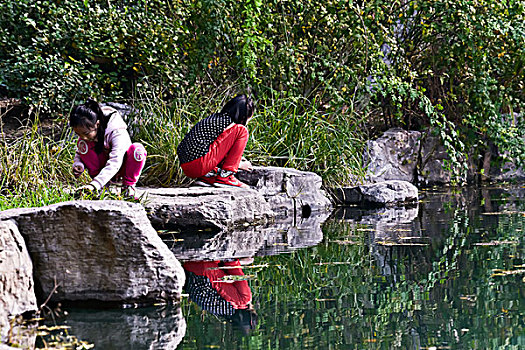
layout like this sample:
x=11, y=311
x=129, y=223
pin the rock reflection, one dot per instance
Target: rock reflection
x=221, y=288
x=150, y=328
x=282, y=237
x=391, y=224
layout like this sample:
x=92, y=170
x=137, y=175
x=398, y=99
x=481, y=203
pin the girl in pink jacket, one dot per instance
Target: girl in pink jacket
x=104, y=148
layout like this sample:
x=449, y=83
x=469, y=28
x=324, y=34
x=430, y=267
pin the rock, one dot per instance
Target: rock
x=289, y=192
x=144, y=328
x=393, y=156
x=275, y=192
x=133, y=117
x=124, y=109
x=17, y=294
x=508, y=171
x=432, y=169
x=205, y=207
x=422, y=159
x=387, y=193
x=106, y=251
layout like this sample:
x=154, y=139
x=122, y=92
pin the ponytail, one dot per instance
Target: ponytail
x=87, y=115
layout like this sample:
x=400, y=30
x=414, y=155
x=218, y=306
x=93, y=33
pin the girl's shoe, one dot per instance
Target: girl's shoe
x=206, y=181
x=229, y=181
x=129, y=192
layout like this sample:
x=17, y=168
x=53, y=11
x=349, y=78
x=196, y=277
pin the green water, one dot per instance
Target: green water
x=449, y=274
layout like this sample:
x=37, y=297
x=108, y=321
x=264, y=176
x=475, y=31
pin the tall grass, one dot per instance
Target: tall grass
x=289, y=132
x=34, y=169
x=297, y=133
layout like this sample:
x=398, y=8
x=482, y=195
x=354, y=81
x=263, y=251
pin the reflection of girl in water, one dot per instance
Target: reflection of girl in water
x=229, y=299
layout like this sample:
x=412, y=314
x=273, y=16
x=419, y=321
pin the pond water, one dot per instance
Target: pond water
x=447, y=274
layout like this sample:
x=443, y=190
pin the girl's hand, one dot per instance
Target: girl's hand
x=78, y=170
x=86, y=189
x=245, y=165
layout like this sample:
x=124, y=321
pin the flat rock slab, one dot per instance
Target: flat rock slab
x=382, y=194
x=274, y=193
x=105, y=251
x=205, y=207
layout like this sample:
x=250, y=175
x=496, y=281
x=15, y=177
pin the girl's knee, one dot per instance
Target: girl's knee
x=242, y=129
x=137, y=152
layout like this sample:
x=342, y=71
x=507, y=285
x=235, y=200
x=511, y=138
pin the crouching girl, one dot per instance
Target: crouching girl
x=104, y=148
x=211, y=151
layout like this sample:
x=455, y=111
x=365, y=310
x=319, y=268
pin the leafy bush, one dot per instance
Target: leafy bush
x=453, y=65
x=55, y=52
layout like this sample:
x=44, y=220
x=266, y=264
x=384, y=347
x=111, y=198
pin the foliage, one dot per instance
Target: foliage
x=53, y=53
x=412, y=64
x=466, y=59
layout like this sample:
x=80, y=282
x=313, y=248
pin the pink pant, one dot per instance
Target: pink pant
x=225, y=152
x=129, y=172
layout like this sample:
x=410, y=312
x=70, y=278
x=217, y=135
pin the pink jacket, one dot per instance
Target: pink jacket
x=116, y=142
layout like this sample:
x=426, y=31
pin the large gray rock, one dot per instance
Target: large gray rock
x=289, y=192
x=206, y=207
x=393, y=156
x=422, y=159
x=97, y=250
x=386, y=193
x=508, y=171
x=275, y=192
x=432, y=168
x=17, y=294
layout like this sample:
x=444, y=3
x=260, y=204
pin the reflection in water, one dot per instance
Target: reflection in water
x=450, y=278
x=281, y=237
x=151, y=328
x=220, y=288
x=447, y=275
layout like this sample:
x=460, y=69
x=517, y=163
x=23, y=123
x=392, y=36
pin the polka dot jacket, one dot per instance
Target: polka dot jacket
x=201, y=291
x=197, y=141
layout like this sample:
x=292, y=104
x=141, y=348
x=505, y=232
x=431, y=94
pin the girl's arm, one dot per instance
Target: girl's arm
x=119, y=143
x=78, y=166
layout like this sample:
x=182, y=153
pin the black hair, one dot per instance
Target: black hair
x=244, y=319
x=240, y=109
x=87, y=115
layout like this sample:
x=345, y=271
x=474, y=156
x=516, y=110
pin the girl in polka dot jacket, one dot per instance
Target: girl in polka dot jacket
x=104, y=148
x=211, y=151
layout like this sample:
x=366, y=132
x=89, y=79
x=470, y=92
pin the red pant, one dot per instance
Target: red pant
x=237, y=293
x=225, y=152
x=129, y=172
